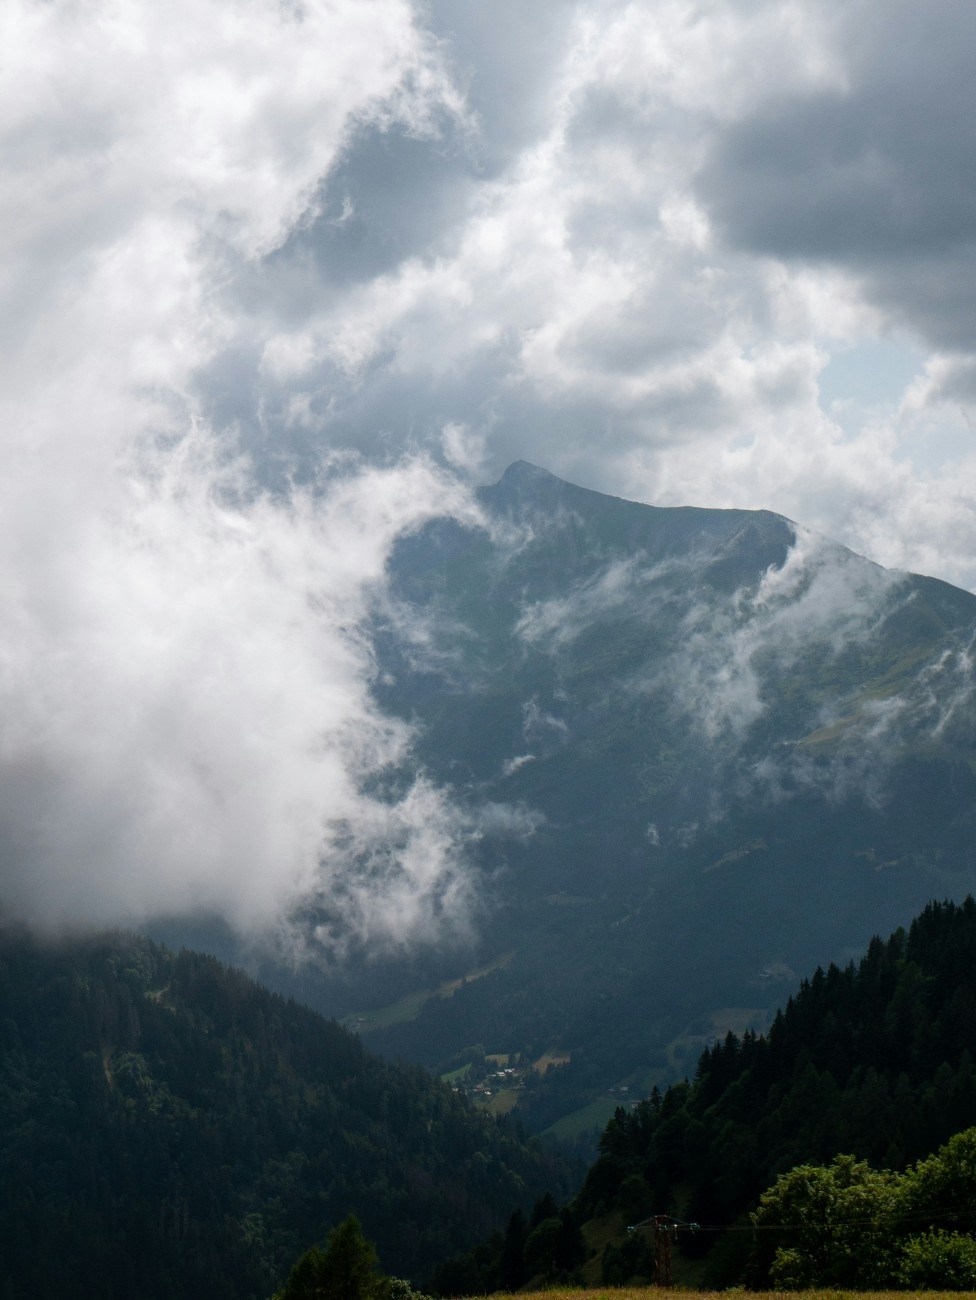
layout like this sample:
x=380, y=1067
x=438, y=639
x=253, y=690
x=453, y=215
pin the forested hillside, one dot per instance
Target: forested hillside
x=170, y=1129
x=875, y=1061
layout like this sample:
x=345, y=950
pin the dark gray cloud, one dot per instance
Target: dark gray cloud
x=876, y=176
x=397, y=192
x=393, y=195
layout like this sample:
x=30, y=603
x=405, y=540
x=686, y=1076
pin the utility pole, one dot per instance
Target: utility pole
x=663, y=1228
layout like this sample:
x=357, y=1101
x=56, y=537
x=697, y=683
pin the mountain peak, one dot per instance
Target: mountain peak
x=743, y=542
x=524, y=485
x=523, y=471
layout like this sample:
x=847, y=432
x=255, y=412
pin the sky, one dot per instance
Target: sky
x=283, y=280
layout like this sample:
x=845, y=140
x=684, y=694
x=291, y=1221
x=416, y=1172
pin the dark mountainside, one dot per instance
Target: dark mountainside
x=737, y=751
x=699, y=751
x=168, y=1129
x=876, y=1060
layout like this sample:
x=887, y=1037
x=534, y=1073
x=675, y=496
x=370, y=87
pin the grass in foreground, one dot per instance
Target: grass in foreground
x=678, y=1293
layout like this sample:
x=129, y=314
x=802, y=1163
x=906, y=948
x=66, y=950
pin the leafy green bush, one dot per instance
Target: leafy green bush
x=399, y=1289
x=939, y=1260
x=825, y=1226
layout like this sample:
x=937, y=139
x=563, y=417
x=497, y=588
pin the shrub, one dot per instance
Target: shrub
x=938, y=1261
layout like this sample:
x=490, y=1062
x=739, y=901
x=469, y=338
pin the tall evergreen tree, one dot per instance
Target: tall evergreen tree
x=347, y=1269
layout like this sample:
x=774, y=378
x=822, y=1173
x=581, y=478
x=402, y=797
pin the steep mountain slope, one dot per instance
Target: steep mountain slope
x=721, y=749
x=170, y=1129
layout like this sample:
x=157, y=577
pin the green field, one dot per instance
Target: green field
x=454, y=1076
x=501, y=1102
x=594, y=1115
x=408, y=1007
x=405, y=1008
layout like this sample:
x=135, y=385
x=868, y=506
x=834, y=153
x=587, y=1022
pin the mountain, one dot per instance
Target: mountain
x=692, y=753
x=170, y=1129
x=723, y=750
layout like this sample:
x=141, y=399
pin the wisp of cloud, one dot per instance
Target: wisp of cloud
x=185, y=714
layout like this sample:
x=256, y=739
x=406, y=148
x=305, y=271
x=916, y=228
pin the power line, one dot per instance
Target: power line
x=674, y=1226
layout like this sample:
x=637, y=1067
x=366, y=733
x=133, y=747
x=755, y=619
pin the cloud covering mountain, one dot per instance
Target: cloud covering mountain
x=281, y=281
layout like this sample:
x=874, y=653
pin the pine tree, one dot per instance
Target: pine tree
x=345, y=1270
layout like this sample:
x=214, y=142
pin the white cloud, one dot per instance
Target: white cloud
x=186, y=716
x=186, y=719
x=311, y=230
x=464, y=448
x=732, y=652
